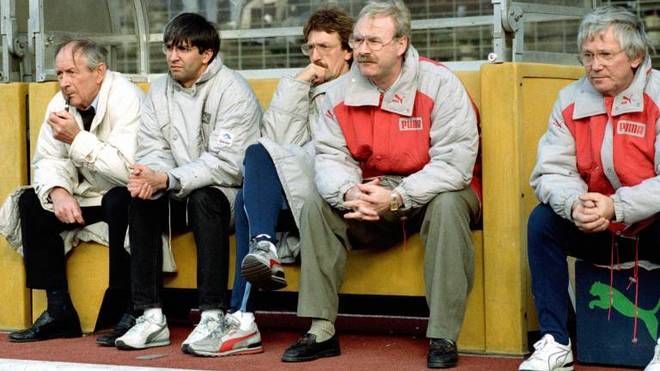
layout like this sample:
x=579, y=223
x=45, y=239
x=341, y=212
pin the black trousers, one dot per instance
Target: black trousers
x=206, y=211
x=43, y=248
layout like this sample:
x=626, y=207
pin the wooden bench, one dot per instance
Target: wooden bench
x=514, y=100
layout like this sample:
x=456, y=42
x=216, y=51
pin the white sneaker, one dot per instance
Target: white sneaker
x=654, y=365
x=549, y=356
x=202, y=330
x=237, y=335
x=146, y=333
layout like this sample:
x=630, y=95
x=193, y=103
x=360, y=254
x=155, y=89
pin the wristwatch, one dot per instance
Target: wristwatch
x=394, y=201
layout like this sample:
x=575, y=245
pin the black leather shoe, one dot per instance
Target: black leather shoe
x=125, y=323
x=442, y=354
x=307, y=349
x=65, y=325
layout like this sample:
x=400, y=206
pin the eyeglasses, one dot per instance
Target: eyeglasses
x=180, y=49
x=373, y=43
x=308, y=49
x=604, y=57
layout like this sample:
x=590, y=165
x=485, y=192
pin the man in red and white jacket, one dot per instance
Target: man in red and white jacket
x=395, y=151
x=596, y=173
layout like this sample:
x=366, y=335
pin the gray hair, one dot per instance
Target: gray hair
x=627, y=27
x=393, y=8
x=93, y=52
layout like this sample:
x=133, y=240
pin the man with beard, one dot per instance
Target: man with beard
x=395, y=152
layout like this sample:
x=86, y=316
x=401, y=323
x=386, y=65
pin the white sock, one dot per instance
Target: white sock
x=246, y=319
x=215, y=314
x=155, y=313
x=323, y=329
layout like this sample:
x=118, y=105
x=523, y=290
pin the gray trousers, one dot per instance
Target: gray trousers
x=444, y=226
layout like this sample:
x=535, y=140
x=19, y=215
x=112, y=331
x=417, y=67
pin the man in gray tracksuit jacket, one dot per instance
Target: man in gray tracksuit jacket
x=197, y=122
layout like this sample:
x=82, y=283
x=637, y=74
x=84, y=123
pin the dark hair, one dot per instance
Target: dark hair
x=331, y=19
x=193, y=30
x=93, y=52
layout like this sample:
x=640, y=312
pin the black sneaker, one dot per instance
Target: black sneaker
x=442, y=354
x=125, y=323
x=307, y=349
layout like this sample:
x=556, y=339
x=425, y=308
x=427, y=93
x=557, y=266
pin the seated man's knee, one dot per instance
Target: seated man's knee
x=117, y=197
x=541, y=218
x=256, y=153
x=28, y=200
x=449, y=203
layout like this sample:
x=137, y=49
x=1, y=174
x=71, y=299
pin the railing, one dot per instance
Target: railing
x=124, y=27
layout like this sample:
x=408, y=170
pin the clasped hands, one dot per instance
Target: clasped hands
x=367, y=201
x=143, y=182
x=592, y=212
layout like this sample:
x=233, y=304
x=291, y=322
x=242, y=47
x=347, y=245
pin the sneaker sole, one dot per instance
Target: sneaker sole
x=567, y=368
x=327, y=353
x=260, y=275
x=123, y=346
x=234, y=352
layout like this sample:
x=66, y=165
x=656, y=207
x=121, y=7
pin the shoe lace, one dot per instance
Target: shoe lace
x=140, y=324
x=205, y=326
x=226, y=324
x=540, y=348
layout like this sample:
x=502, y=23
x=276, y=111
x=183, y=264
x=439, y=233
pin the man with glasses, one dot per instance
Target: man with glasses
x=395, y=151
x=196, y=124
x=84, y=148
x=278, y=175
x=597, y=174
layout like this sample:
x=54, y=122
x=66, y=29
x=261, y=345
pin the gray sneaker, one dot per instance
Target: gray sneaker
x=205, y=326
x=262, y=268
x=237, y=335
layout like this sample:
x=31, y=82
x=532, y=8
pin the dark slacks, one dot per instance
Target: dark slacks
x=43, y=248
x=206, y=212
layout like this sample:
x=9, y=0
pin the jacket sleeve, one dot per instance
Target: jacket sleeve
x=236, y=127
x=153, y=150
x=51, y=164
x=555, y=178
x=636, y=203
x=286, y=120
x=454, y=142
x=112, y=157
x=335, y=169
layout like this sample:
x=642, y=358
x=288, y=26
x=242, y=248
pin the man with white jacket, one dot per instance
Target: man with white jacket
x=597, y=174
x=196, y=124
x=81, y=167
x=396, y=145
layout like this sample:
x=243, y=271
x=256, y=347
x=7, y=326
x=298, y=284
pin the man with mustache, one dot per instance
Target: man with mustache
x=395, y=151
x=597, y=174
x=278, y=176
x=196, y=124
x=80, y=165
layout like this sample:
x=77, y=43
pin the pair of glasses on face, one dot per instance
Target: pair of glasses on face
x=373, y=43
x=603, y=57
x=308, y=49
x=180, y=49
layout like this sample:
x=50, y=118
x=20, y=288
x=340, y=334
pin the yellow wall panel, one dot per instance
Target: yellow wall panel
x=15, y=313
x=516, y=99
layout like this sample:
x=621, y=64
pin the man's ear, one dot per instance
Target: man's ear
x=402, y=45
x=207, y=55
x=635, y=62
x=100, y=72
